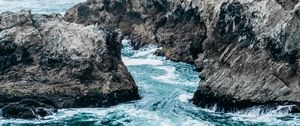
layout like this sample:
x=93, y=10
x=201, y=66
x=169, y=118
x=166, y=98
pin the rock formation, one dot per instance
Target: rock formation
x=47, y=63
x=251, y=55
x=246, y=50
x=175, y=26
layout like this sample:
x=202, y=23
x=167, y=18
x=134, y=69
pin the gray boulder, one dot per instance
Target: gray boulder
x=69, y=65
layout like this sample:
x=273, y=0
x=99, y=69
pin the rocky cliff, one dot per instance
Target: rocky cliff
x=47, y=63
x=246, y=50
x=251, y=55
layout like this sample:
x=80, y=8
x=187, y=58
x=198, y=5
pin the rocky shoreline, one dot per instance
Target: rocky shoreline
x=47, y=64
x=175, y=27
x=247, y=51
x=256, y=61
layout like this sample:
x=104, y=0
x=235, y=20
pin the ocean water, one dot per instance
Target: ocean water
x=38, y=6
x=166, y=88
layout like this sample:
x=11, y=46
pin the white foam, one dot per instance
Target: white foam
x=171, y=77
x=258, y=111
x=210, y=109
x=192, y=122
x=161, y=120
x=170, y=73
x=153, y=117
x=126, y=41
x=146, y=51
x=134, y=62
x=185, y=97
x=271, y=116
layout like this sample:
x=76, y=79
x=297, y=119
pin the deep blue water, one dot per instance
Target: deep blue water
x=165, y=87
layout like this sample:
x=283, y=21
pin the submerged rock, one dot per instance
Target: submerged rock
x=56, y=64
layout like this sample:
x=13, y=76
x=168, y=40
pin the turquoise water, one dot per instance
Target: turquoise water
x=38, y=6
x=165, y=86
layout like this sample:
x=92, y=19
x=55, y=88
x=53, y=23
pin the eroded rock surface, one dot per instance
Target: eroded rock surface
x=176, y=26
x=55, y=64
x=251, y=55
x=246, y=50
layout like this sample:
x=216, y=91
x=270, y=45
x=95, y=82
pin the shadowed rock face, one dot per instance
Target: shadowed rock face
x=246, y=50
x=35, y=107
x=56, y=64
x=175, y=26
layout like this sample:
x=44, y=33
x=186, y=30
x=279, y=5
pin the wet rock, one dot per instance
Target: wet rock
x=295, y=109
x=251, y=58
x=27, y=109
x=57, y=64
x=246, y=50
x=175, y=26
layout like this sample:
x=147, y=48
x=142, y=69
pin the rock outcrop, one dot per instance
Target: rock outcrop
x=47, y=63
x=246, y=50
x=251, y=55
x=176, y=26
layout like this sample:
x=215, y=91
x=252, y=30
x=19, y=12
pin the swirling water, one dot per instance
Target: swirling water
x=165, y=87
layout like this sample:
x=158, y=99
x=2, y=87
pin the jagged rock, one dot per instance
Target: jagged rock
x=251, y=55
x=69, y=65
x=175, y=26
x=247, y=50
